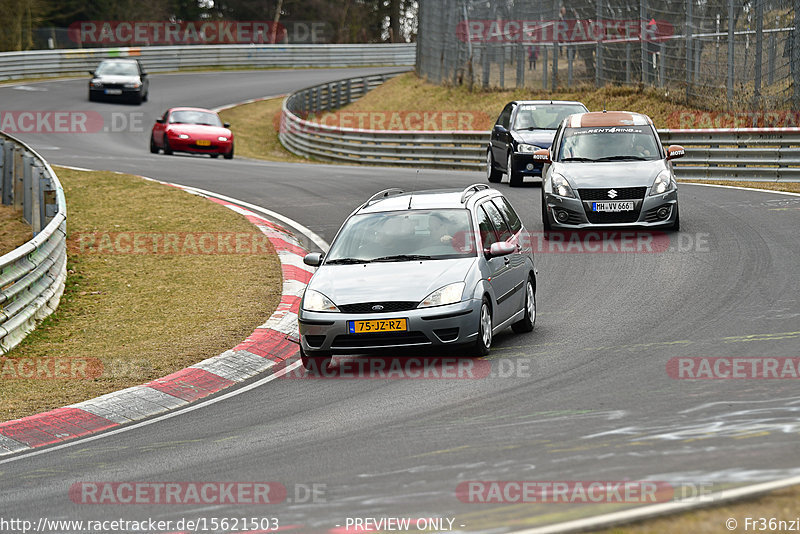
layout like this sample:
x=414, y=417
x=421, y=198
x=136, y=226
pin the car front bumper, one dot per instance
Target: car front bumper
x=453, y=324
x=190, y=145
x=524, y=164
x=579, y=215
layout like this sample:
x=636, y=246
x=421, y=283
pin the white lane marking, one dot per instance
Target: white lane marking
x=77, y=168
x=319, y=241
x=28, y=88
x=645, y=512
x=193, y=407
x=744, y=188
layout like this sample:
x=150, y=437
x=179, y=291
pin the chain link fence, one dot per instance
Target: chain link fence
x=702, y=52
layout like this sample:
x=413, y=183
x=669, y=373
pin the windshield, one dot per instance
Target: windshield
x=543, y=116
x=611, y=143
x=404, y=235
x=117, y=68
x=195, y=117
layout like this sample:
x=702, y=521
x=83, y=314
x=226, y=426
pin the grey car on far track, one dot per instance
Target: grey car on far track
x=420, y=269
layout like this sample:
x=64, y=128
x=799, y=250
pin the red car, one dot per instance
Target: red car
x=195, y=130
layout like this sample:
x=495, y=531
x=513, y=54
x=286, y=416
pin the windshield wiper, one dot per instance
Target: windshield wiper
x=346, y=261
x=578, y=159
x=404, y=257
x=622, y=158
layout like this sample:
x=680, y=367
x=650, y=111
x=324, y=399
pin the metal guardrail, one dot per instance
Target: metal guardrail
x=168, y=58
x=32, y=276
x=754, y=154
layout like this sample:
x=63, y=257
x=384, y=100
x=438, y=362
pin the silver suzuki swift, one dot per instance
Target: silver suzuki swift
x=426, y=268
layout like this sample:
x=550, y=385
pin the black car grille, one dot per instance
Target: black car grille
x=611, y=218
x=112, y=86
x=380, y=339
x=366, y=307
x=623, y=193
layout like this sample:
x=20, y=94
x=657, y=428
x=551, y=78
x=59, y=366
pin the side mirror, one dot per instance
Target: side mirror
x=502, y=248
x=499, y=128
x=91, y=72
x=226, y=125
x=314, y=259
x=160, y=120
x=143, y=74
x=675, y=152
x=542, y=155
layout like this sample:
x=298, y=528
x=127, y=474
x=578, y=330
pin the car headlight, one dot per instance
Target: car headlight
x=527, y=149
x=222, y=138
x=183, y=136
x=663, y=183
x=317, y=302
x=132, y=85
x=561, y=187
x=449, y=294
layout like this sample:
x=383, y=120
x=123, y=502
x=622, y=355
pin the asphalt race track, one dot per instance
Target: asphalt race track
x=589, y=397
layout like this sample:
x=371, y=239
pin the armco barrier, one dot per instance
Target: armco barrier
x=32, y=276
x=168, y=58
x=755, y=154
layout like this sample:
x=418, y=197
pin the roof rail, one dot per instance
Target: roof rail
x=471, y=190
x=383, y=194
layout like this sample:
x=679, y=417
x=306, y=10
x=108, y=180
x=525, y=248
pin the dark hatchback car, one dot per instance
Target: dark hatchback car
x=523, y=127
x=119, y=79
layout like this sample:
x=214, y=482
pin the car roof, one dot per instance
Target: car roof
x=607, y=118
x=120, y=60
x=429, y=199
x=185, y=108
x=548, y=102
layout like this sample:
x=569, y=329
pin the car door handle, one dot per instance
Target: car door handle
x=506, y=260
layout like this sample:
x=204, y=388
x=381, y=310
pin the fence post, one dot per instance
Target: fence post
x=627, y=63
x=2, y=170
x=662, y=63
x=796, y=55
x=554, y=82
x=544, y=66
x=570, y=58
x=521, y=65
x=759, y=46
x=731, y=51
x=598, y=53
x=688, y=46
x=643, y=22
x=485, y=65
x=771, y=60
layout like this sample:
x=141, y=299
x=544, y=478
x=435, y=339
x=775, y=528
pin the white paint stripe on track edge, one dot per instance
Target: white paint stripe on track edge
x=655, y=510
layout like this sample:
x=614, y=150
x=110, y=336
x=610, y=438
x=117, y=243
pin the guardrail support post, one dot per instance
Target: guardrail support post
x=348, y=91
x=36, y=200
x=19, y=185
x=27, y=189
x=8, y=173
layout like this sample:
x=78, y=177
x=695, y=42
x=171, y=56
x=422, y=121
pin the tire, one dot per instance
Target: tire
x=545, y=220
x=137, y=99
x=492, y=174
x=146, y=96
x=229, y=155
x=527, y=323
x=167, y=149
x=153, y=146
x=676, y=226
x=316, y=363
x=484, y=341
x=214, y=156
x=514, y=178
x=92, y=97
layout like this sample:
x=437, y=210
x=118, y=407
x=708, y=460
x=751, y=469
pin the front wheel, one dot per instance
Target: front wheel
x=676, y=226
x=514, y=178
x=484, y=341
x=229, y=155
x=545, y=221
x=493, y=175
x=167, y=149
x=153, y=146
x=529, y=319
x=316, y=363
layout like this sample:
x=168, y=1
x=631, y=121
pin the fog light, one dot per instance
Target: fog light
x=561, y=215
x=663, y=212
x=529, y=166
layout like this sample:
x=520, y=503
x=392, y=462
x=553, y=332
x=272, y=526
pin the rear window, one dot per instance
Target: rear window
x=509, y=214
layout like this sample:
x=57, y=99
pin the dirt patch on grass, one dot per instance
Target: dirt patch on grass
x=14, y=231
x=142, y=316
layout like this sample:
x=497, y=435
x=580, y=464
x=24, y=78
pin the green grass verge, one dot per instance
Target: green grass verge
x=14, y=231
x=142, y=316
